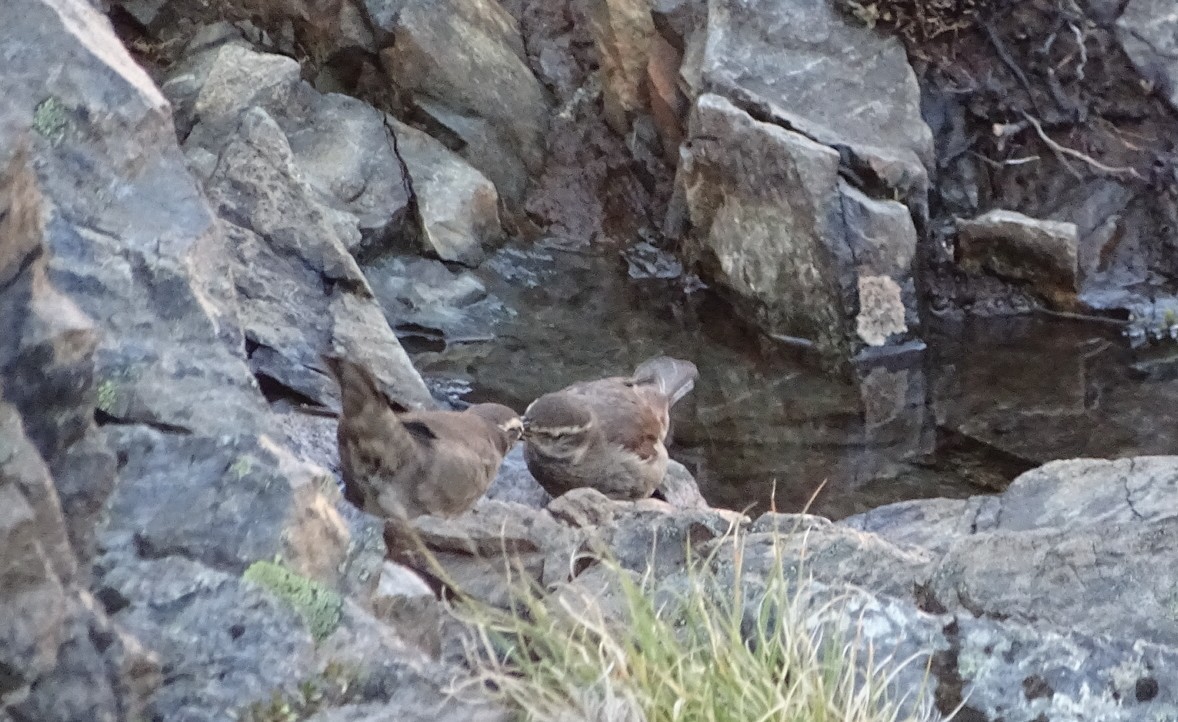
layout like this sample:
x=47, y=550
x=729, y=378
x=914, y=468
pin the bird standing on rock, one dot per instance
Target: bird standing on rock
x=607, y=434
x=403, y=464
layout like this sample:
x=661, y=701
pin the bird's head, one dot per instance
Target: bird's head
x=505, y=421
x=558, y=425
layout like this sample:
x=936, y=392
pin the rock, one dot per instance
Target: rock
x=240, y=644
x=47, y=358
x=679, y=488
x=996, y=666
x=192, y=615
x=1041, y=254
x=52, y=670
x=584, y=508
x=1068, y=494
x=833, y=554
x=807, y=67
x=458, y=206
x=404, y=601
x=932, y=524
x=291, y=237
x=766, y=221
x=1036, y=551
x=881, y=310
x=60, y=659
x=1017, y=671
x=491, y=102
x=676, y=20
x=1099, y=580
x=415, y=707
x=476, y=549
x=515, y=483
x=667, y=104
x=804, y=253
x=658, y=541
x=144, y=270
x=275, y=507
x=346, y=153
x=623, y=32
x=880, y=233
x=1147, y=30
x=424, y=299
x=758, y=79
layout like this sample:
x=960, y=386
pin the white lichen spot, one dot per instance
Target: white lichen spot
x=881, y=310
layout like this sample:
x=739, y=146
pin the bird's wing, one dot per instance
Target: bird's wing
x=463, y=461
x=634, y=417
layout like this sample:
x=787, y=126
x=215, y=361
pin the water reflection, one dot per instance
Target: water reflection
x=986, y=402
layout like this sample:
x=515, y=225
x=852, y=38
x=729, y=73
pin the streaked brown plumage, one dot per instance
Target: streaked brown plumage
x=607, y=434
x=404, y=464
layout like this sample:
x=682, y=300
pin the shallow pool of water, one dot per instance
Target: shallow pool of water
x=986, y=401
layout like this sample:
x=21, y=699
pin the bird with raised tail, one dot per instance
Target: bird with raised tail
x=403, y=464
x=608, y=434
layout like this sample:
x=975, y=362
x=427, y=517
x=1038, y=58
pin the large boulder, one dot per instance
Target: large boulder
x=765, y=218
x=805, y=66
x=485, y=97
x=60, y=657
x=1060, y=580
x=799, y=190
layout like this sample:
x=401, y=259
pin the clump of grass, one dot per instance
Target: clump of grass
x=701, y=652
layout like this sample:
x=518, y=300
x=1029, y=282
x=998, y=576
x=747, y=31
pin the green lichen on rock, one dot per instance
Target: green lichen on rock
x=319, y=606
x=50, y=119
x=241, y=466
x=108, y=396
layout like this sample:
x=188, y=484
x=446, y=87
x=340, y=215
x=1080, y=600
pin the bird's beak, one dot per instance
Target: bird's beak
x=526, y=427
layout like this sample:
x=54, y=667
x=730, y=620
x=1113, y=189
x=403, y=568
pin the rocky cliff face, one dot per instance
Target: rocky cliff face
x=196, y=207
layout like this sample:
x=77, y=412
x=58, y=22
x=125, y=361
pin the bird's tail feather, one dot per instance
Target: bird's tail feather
x=360, y=393
x=673, y=377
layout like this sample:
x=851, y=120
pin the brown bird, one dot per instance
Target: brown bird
x=607, y=434
x=403, y=464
